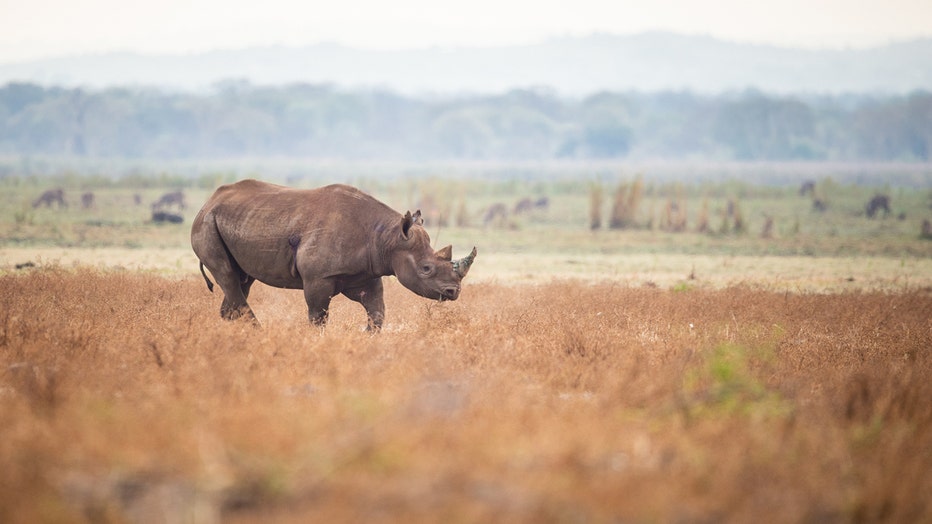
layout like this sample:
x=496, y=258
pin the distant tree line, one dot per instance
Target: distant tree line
x=302, y=120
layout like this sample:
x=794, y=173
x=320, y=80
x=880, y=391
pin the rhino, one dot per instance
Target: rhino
x=327, y=241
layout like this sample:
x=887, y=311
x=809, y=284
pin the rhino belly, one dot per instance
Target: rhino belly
x=288, y=282
x=270, y=265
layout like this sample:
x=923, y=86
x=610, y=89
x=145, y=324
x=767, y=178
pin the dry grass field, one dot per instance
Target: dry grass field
x=776, y=372
x=124, y=397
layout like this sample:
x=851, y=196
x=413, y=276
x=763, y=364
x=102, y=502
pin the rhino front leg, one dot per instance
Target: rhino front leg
x=370, y=295
x=317, y=294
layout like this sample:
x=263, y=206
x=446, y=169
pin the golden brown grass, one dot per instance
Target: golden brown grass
x=123, y=396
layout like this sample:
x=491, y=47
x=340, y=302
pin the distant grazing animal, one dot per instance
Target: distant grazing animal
x=526, y=205
x=87, y=200
x=51, y=196
x=496, y=214
x=879, y=202
x=326, y=241
x=175, y=198
x=807, y=187
x=523, y=206
x=163, y=216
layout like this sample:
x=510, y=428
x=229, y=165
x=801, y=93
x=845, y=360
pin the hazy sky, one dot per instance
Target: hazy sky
x=39, y=28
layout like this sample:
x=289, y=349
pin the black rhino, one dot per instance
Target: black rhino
x=326, y=241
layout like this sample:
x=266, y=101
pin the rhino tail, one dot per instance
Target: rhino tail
x=210, y=285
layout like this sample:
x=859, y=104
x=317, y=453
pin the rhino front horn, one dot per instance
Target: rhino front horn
x=461, y=266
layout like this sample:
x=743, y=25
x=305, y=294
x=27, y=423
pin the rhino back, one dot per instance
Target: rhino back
x=331, y=230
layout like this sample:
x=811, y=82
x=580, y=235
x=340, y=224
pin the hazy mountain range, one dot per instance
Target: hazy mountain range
x=571, y=66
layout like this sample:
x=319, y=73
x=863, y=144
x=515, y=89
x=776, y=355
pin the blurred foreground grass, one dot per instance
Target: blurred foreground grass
x=125, y=398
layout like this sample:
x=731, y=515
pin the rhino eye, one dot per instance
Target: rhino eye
x=427, y=269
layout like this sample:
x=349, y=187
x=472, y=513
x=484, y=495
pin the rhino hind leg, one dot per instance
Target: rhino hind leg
x=246, y=283
x=235, y=286
x=234, y=305
x=235, y=283
x=232, y=311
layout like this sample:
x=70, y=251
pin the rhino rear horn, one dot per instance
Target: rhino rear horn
x=445, y=253
x=461, y=266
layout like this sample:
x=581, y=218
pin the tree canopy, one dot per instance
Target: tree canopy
x=322, y=121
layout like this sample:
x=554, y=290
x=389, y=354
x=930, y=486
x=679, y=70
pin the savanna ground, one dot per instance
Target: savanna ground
x=635, y=375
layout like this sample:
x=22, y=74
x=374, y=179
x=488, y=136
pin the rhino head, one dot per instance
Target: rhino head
x=431, y=274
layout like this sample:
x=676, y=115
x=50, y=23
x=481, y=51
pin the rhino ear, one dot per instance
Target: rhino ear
x=411, y=220
x=406, y=224
x=446, y=253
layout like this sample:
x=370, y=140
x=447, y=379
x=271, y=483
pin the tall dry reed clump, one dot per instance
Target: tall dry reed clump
x=462, y=215
x=732, y=219
x=595, y=206
x=123, y=396
x=674, y=215
x=702, y=221
x=626, y=204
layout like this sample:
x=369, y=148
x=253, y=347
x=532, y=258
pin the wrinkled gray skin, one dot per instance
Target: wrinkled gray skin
x=326, y=241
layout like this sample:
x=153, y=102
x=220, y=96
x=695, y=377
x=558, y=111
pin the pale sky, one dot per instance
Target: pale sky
x=32, y=29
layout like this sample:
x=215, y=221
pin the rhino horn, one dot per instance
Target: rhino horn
x=461, y=266
x=446, y=253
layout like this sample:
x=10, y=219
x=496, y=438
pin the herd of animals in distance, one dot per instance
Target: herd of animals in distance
x=170, y=208
x=167, y=208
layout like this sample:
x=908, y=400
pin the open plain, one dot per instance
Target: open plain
x=596, y=376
